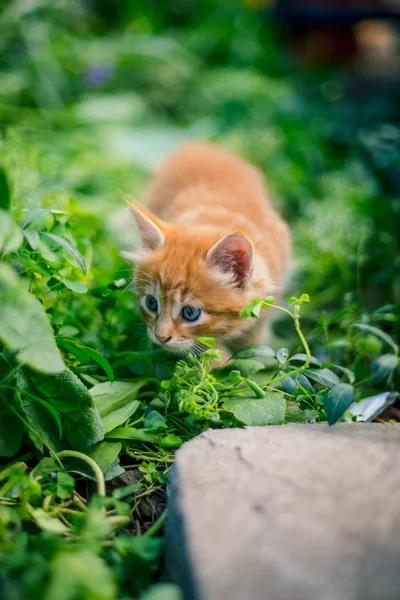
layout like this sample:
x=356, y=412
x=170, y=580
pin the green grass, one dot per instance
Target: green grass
x=90, y=102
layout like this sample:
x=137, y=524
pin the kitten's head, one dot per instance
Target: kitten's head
x=191, y=282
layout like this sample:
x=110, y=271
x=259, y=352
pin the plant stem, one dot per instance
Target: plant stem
x=155, y=528
x=101, y=486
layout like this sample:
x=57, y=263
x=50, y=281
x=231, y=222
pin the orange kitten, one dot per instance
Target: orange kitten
x=211, y=242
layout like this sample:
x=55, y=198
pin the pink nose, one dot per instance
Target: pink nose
x=163, y=339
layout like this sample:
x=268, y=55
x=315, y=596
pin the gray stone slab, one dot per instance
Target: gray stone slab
x=298, y=512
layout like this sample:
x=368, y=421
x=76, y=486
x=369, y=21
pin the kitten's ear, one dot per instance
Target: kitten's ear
x=150, y=228
x=233, y=255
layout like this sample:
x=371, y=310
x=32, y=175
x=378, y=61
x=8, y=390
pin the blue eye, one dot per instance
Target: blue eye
x=189, y=313
x=151, y=303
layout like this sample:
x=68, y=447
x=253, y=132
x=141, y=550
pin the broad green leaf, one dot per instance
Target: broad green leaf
x=291, y=384
x=337, y=401
x=282, y=355
x=5, y=195
x=11, y=236
x=348, y=372
x=383, y=367
x=81, y=421
x=154, y=420
x=269, y=410
x=324, y=377
x=116, y=401
x=380, y=334
x=32, y=237
x=24, y=326
x=33, y=214
x=255, y=351
x=247, y=367
x=105, y=453
x=302, y=358
x=75, y=286
x=11, y=426
x=60, y=241
x=288, y=384
x=141, y=435
x=41, y=426
x=80, y=574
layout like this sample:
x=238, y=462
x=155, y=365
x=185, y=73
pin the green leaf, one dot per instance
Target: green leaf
x=288, y=384
x=75, y=286
x=303, y=298
x=11, y=236
x=268, y=301
x=24, y=325
x=141, y=555
x=294, y=414
x=337, y=401
x=39, y=420
x=141, y=435
x=383, y=367
x=324, y=377
x=60, y=241
x=85, y=354
x=68, y=331
x=11, y=426
x=105, y=454
x=252, y=309
x=269, y=410
x=348, y=372
x=81, y=421
x=282, y=355
x=65, y=485
x=33, y=213
x=32, y=237
x=5, y=195
x=80, y=574
x=154, y=420
x=379, y=334
x=116, y=402
x=46, y=522
x=302, y=358
x=207, y=341
x=247, y=367
x=255, y=351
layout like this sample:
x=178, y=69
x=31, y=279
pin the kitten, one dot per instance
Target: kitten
x=211, y=242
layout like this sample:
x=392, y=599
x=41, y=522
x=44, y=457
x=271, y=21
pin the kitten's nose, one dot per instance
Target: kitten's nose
x=163, y=339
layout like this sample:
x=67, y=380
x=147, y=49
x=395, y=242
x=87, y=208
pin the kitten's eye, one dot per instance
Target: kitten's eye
x=189, y=313
x=151, y=303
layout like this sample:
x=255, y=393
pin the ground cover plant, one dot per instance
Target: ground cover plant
x=90, y=414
